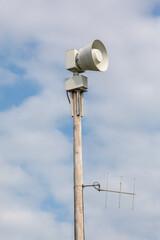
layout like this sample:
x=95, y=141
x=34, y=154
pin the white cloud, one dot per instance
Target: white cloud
x=121, y=119
x=24, y=224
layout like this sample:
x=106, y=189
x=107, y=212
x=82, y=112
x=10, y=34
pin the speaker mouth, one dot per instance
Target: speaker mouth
x=103, y=64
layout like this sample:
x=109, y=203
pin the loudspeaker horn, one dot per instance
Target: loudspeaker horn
x=93, y=57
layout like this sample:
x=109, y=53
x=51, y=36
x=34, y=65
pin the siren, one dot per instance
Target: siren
x=92, y=57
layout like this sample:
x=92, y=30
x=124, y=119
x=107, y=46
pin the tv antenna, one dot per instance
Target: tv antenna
x=97, y=186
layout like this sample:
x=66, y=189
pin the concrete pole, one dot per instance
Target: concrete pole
x=78, y=179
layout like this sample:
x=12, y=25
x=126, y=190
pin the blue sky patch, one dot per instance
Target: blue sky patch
x=14, y=88
x=14, y=95
x=49, y=204
x=67, y=128
x=16, y=69
x=156, y=10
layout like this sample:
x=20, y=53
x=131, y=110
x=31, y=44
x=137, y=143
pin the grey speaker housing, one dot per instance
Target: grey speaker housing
x=92, y=57
x=78, y=82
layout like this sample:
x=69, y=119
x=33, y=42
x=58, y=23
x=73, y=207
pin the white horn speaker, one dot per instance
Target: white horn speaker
x=93, y=57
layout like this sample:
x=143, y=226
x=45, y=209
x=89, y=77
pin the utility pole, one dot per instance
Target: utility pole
x=92, y=57
x=78, y=178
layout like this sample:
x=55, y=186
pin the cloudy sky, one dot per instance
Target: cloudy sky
x=121, y=126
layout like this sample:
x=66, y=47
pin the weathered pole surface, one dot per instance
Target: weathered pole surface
x=78, y=178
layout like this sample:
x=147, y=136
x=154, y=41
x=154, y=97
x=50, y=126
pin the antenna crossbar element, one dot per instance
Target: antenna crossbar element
x=120, y=192
x=134, y=185
x=106, y=191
